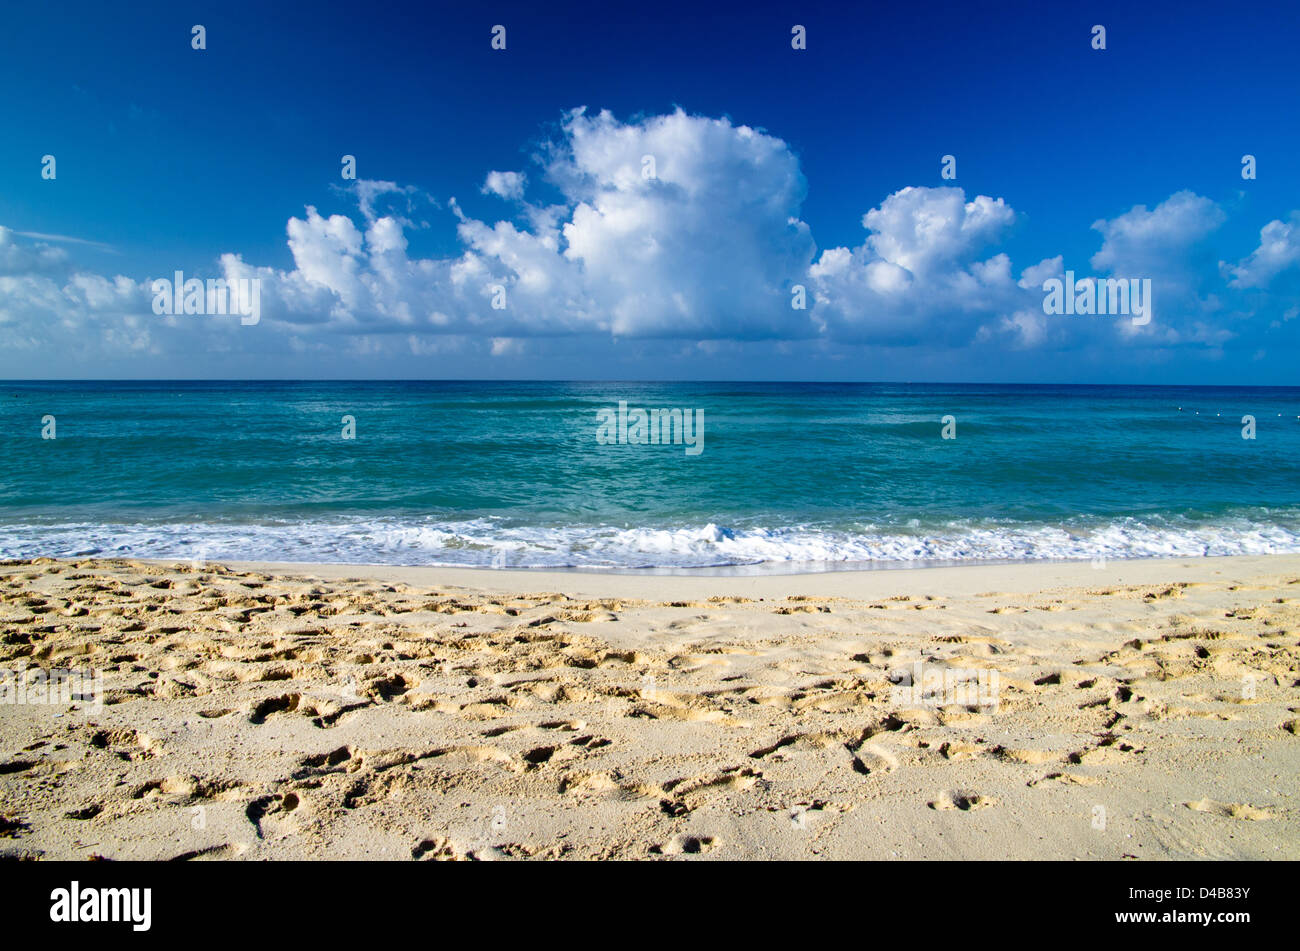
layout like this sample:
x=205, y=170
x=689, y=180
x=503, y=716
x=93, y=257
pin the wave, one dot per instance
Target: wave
x=486, y=542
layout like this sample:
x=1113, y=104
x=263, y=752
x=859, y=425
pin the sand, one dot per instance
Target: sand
x=1136, y=710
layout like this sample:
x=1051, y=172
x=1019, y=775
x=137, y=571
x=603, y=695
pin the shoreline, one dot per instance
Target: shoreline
x=868, y=583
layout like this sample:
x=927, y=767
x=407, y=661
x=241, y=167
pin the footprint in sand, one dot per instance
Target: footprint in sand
x=438, y=849
x=963, y=801
x=273, y=810
x=686, y=845
x=1230, y=810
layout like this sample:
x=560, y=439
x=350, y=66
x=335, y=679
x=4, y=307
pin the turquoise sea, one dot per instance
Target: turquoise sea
x=790, y=476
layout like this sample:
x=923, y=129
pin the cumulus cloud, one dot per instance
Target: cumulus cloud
x=1167, y=245
x=684, y=226
x=1144, y=242
x=673, y=228
x=918, y=229
x=1278, y=251
x=919, y=273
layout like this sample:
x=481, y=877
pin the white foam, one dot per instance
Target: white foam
x=492, y=543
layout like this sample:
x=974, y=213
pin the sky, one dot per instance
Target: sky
x=504, y=222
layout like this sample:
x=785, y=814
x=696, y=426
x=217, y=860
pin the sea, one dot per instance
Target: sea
x=774, y=477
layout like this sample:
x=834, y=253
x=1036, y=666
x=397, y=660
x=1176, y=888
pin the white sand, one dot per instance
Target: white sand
x=1145, y=709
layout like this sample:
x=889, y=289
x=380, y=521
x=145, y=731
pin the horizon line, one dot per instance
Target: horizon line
x=192, y=380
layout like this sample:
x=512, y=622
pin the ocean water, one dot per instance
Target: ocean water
x=791, y=477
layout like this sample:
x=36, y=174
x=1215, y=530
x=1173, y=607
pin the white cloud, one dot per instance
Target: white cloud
x=1027, y=327
x=508, y=185
x=702, y=254
x=66, y=239
x=1151, y=243
x=1167, y=245
x=918, y=274
x=706, y=247
x=328, y=252
x=73, y=315
x=919, y=229
x=504, y=346
x=369, y=194
x=1279, y=250
x=17, y=258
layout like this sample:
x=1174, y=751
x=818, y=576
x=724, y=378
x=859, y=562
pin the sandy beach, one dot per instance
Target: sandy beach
x=1132, y=710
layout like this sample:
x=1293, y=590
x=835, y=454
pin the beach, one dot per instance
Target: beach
x=1138, y=709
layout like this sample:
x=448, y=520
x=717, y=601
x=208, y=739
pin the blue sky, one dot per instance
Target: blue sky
x=774, y=168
